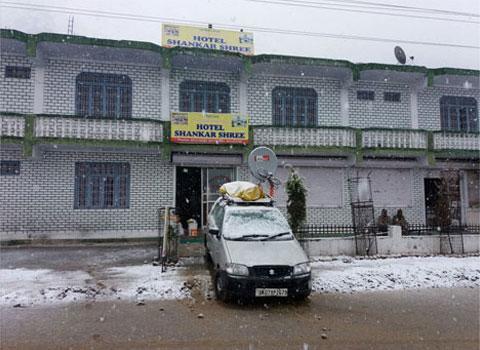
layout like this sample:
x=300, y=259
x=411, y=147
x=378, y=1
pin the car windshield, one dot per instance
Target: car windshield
x=255, y=223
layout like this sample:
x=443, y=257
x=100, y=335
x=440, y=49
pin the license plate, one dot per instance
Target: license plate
x=271, y=292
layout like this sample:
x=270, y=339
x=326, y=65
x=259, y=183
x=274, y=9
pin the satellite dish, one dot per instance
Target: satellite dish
x=262, y=163
x=400, y=55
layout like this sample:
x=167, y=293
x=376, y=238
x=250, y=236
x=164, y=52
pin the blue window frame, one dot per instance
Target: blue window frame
x=294, y=106
x=199, y=96
x=18, y=72
x=9, y=167
x=459, y=113
x=103, y=95
x=102, y=185
x=389, y=96
x=366, y=95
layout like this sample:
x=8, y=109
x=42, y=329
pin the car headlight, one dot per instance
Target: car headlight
x=301, y=269
x=237, y=269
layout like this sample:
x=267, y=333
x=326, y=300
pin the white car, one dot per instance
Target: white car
x=254, y=252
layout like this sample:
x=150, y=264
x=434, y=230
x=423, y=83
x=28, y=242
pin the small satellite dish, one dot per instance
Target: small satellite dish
x=400, y=55
x=262, y=163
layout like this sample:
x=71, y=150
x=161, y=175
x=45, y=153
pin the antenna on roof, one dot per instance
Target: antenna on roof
x=70, y=25
x=400, y=55
x=210, y=26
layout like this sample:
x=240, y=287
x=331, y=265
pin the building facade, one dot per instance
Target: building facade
x=85, y=134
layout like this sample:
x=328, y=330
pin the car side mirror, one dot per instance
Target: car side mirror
x=214, y=231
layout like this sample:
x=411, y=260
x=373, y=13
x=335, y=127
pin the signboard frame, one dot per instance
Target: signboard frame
x=174, y=35
x=209, y=128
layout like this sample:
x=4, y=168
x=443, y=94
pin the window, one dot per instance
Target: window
x=391, y=96
x=294, y=106
x=9, y=167
x=199, y=96
x=365, y=95
x=458, y=113
x=18, y=72
x=102, y=185
x=103, y=95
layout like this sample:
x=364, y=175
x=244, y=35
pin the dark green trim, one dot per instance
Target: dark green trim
x=358, y=146
x=29, y=138
x=167, y=59
x=11, y=140
x=310, y=150
x=247, y=65
x=307, y=61
x=166, y=147
x=102, y=118
x=398, y=68
x=303, y=127
x=13, y=114
x=430, y=76
x=31, y=41
x=448, y=153
x=430, y=144
x=72, y=116
x=395, y=151
x=99, y=143
x=207, y=148
x=394, y=129
x=452, y=132
x=454, y=71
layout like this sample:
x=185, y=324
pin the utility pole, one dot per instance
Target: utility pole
x=70, y=25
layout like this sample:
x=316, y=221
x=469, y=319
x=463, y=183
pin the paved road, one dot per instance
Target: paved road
x=415, y=319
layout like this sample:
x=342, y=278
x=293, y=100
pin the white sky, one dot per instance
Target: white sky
x=257, y=13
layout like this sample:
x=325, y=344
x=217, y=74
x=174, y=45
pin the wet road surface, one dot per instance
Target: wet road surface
x=413, y=319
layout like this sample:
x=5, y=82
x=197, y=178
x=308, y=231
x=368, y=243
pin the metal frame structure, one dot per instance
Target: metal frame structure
x=363, y=215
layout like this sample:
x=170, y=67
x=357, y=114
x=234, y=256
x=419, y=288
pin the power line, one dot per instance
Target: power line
x=400, y=7
x=318, y=5
x=119, y=15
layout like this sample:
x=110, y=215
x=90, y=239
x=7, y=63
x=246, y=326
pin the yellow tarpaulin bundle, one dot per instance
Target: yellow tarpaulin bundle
x=244, y=190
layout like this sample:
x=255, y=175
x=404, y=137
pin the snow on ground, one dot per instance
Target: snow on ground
x=25, y=287
x=348, y=275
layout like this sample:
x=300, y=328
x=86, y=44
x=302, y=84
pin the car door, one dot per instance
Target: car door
x=215, y=221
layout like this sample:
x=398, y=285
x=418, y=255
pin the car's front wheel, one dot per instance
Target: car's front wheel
x=221, y=287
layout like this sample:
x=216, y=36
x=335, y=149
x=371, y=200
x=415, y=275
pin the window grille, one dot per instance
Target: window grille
x=459, y=113
x=204, y=96
x=294, y=106
x=366, y=95
x=9, y=167
x=102, y=185
x=391, y=96
x=103, y=95
x=18, y=72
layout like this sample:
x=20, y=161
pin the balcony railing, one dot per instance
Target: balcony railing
x=403, y=139
x=458, y=141
x=285, y=136
x=12, y=126
x=98, y=129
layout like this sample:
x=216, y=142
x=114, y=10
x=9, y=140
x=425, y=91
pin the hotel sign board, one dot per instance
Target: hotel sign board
x=209, y=128
x=207, y=38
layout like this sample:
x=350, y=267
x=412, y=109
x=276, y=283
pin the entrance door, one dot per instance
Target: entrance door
x=432, y=187
x=442, y=200
x=212, y=179
x=188, y=195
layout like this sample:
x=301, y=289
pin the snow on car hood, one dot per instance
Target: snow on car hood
x=275, y=252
